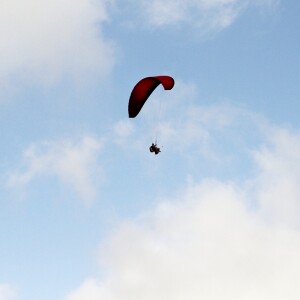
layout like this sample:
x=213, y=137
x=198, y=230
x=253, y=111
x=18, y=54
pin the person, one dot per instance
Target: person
x=154, y=148
x=157, y=150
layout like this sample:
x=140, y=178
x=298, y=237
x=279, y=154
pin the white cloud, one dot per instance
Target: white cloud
x=74, y=162
x=279, y=192
x=206, y=15
x=7, y=292
x=42, y=41
x=89, y=289
x=205, y=245
x=214, y=240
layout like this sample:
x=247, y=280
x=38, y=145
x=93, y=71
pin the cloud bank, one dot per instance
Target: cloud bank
x=45, y=41
x=215, y=239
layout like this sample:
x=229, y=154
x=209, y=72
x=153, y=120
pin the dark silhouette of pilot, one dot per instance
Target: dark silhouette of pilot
x=154, y=148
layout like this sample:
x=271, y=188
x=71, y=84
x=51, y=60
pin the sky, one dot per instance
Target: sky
x=87, y=212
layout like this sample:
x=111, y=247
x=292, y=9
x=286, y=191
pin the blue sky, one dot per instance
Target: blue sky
x=87, y=212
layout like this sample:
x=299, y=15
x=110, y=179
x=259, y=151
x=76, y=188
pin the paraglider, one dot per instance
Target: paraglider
x=154, y=148
x=143, y=89
x=140, y=94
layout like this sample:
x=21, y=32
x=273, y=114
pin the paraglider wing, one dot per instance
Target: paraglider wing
x=143, y=89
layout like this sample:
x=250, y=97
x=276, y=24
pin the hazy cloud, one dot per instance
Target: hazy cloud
x=279, y=192
x=89, y=289
x=74, y=162
x=206, y=15
x=176, y=117
x=122, y=131
x=43, y=41
x=7, y=292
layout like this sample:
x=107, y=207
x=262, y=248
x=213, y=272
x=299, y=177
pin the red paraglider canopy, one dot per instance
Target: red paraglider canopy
x=143, y=89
